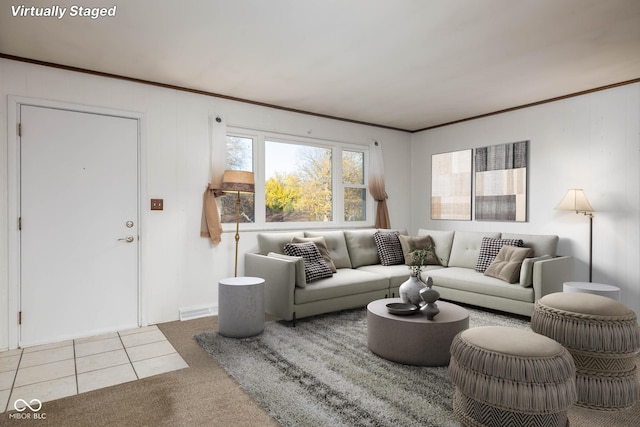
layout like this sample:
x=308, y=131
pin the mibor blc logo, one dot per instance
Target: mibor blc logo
x=21, y=406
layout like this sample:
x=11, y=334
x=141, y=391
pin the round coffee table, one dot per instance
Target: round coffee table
x=413, y=339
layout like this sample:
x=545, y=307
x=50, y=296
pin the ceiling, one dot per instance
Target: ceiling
x=405, y=64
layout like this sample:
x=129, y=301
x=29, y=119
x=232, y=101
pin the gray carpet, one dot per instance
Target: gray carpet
x=321, y=373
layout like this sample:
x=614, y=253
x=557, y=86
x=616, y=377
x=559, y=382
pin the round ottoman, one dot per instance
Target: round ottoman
x=510, y=377
x=603, y=336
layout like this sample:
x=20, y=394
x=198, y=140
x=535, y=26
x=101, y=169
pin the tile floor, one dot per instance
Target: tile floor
x=53, y=371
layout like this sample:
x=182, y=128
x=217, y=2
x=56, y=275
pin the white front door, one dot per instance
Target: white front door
x=79, y=224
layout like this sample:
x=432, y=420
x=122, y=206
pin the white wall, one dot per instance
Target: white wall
x=179, y=269
x=590, y=142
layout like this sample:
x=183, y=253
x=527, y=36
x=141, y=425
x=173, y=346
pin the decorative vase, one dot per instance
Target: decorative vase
x=430, y=296
x=410, y=291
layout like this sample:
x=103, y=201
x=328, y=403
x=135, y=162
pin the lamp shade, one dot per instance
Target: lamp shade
x=575, y=200
x=241, y=181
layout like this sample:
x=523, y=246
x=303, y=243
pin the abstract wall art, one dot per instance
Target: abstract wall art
x=501, y=182
x=451, y=185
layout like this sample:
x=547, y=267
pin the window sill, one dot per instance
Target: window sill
x=247, y=227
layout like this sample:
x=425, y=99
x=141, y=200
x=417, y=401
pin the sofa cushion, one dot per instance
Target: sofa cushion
x=345, y=282
x=542, y=244
x=442, y=240
x=336, y=245
x=412, y=243
x=314, y=265
x=467, y=279
x=322, y=247
x=362, y=247
x=489, y=249
x=465, y=248
x=274, y=242
x=507, y=264
x=526, y=271
x=389, y=248
x=396, y=274
x=301, y=280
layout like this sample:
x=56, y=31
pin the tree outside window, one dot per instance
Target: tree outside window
x=355, y=192
x=298, y=185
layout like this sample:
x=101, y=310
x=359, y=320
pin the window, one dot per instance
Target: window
x=355, y=192
x=239, y=157
x=298, y=181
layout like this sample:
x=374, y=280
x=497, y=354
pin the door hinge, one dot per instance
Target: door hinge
x=19, y=223
x=19, y=318
x=19, y=129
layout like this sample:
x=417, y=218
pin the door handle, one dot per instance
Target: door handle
x=127, y=239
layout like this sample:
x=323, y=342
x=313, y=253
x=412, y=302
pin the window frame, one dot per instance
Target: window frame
x=337, y=187
x=226, y=225
x=364, y=185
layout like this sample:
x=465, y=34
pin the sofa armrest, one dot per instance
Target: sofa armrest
x=279, y=282
x=550, y=274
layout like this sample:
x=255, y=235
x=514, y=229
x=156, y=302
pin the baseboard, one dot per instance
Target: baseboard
x=197, y=312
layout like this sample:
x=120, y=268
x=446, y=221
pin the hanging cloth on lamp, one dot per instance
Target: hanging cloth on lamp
x=376, y=187
x=210, y=225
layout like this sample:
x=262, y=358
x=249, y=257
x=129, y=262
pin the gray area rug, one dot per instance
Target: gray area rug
x=321, y=373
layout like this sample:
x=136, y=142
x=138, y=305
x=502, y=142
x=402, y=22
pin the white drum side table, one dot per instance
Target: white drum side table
x=240, y=307
x=601, y=289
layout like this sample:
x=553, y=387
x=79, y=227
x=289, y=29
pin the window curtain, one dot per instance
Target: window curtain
x=210, y=225
x=376, y=187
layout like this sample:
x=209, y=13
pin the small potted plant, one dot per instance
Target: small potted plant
x=419, y=259
x=410, y=290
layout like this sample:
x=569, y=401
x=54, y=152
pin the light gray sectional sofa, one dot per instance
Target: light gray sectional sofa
x=360, y=278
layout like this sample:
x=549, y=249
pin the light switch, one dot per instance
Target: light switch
x=157, y=204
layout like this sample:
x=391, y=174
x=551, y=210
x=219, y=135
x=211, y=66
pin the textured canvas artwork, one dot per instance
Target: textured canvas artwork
x=501, y=182
x=451, y=185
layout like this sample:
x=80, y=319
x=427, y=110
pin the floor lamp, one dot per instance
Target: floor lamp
x=239, y=182
x=576, y=200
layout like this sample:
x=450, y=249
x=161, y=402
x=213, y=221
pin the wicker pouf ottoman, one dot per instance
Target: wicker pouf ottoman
x=603, y=336
x=510, y=377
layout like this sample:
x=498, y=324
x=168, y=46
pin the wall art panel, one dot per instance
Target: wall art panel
x=451, y=185
x=501, y=182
